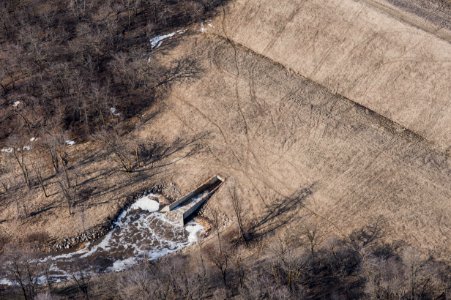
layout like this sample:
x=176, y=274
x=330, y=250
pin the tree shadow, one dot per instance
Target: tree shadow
x=279, y=214
x=91, y=158
x=42, y=210
x=157, y=152
x=99, y=176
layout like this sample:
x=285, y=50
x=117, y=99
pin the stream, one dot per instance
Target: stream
x=139, y=233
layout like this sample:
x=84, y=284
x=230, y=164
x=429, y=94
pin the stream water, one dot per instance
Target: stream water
x=140, y=233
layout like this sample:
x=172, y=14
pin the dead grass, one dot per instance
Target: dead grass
x=271, y=131
x=103, y=190
x=370, y=52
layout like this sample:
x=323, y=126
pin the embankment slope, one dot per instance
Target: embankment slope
x=270, y=132
x=368, y=51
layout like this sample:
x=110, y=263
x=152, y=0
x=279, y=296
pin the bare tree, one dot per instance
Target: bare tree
x=53, y=142
x=214, y=215
x=24, y=270
x=126, y=153
x=130, y=154
x=165, y=279
x=220, y=256
x=69, y=188
x=312, y=235
x=238, y=210
x=40, y=179
x=140, y=284
x=82, y=281
x=19, y=154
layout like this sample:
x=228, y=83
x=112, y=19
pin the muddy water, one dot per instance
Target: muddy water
x=140, y=233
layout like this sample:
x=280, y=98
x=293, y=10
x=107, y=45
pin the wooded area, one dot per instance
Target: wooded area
x=80, y=66
x=82, y=70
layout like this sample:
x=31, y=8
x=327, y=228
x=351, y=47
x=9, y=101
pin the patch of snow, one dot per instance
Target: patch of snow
x=59, y=279
x=203, y=29
x=70, y=142
x=4, y=281
x=121, y=265
x=33, y=139
x=153, y=255
x=64, y=256
x=11, y=149
x=15, y=104
x=147, y=203
x=114, y=111
x=104, y=244
x=193, y=232
x=156, y=41
x=41, y=280
x=7, y=150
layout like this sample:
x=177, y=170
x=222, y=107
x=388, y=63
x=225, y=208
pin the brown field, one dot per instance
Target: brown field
x=283, y=133
x=388, y=60
x=342, y=97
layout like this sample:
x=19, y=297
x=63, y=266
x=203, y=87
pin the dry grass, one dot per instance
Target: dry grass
x=103, y=190
x=273, y=132
x=369, y=51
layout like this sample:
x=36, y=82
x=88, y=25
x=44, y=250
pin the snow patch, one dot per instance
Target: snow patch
x=114, y=111
x=156, y=41
x=203, y=29
x=147, y=203
x=193, y=232
x=4, y=281
x=121, y=265
x=26, y=148
x=33, y=139
x=153, y=255
x=70, y=142
x=7, y=150
x=15, y=104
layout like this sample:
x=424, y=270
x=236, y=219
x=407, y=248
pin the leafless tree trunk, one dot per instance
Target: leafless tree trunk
x=82, y=281
x=41, y=181
x=5, y=187
x=216, y=224
x=24, y=274
x=19, y=156
x=312, y=234
x=238, y=210
x=69, y=190
x=125, y=153
x=220, y=256
x=53, y=143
